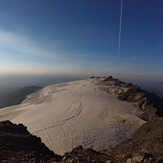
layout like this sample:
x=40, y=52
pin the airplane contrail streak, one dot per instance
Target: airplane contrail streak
x=122, y=64
x=127, y=62
x=120, y=28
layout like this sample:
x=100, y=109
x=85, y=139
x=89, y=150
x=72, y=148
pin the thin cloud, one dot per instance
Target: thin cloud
x=155, y=48
x=22, y=45
x=122, y=64
x=127, y=62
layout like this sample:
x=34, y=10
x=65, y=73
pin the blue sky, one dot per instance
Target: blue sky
x=81, y=37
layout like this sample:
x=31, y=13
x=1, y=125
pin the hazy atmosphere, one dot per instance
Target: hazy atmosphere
x=45, y=42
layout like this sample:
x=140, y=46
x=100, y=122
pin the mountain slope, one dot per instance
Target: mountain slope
x=17, y=97
x=85, y=112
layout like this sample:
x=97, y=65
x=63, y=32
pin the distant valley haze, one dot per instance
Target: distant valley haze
x=11, y=83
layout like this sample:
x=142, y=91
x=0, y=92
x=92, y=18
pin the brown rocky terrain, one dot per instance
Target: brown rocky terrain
x=146, y=145
x=18, y=145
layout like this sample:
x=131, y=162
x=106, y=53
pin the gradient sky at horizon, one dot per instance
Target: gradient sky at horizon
x=81, y=37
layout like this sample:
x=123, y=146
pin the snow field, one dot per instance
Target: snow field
x=77, y=113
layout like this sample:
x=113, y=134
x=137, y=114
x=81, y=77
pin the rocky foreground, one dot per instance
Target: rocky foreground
x=18, y=145
x=146, y=145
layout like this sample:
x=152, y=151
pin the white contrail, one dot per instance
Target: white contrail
x=122, y=64
x=120, y=28
x=127, y=62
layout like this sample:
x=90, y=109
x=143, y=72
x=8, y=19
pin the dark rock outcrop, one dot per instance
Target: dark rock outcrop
x=157, y=102
x=81, y=155
x=18, y=145
x=109, y=78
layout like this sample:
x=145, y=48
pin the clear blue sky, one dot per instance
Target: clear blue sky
x=81, y=37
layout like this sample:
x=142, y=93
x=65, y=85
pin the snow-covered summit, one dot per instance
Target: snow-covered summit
x=84, y=112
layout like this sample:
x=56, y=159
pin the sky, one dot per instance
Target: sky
x=82, y=37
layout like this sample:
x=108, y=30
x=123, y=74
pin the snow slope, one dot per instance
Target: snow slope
x=77, y=113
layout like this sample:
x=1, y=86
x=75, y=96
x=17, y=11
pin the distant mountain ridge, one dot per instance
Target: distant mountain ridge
x=17, y=97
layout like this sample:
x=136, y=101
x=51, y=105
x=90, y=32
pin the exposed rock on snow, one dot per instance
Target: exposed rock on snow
x=150, y=103
x=85, y=112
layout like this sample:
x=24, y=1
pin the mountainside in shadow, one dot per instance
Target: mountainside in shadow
x=17, y=97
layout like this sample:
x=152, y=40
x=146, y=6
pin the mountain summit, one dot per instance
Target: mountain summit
x=85, y=112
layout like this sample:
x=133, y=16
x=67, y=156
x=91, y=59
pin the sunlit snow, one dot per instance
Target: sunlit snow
x=77, y=113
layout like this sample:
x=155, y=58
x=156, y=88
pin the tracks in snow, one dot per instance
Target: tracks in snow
x=76, y=113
